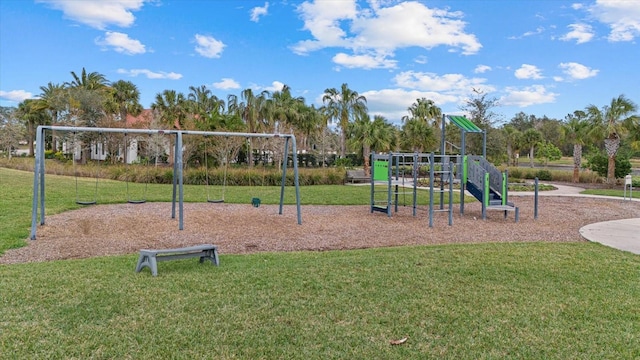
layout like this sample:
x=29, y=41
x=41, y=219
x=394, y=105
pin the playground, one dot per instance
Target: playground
x=240, y=228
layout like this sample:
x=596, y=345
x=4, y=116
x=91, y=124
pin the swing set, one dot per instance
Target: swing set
x=38, y=204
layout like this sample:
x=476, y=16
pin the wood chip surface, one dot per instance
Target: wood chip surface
x=102, y=230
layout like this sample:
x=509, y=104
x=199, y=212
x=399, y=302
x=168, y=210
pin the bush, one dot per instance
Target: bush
x=600, y=162
x=544, y=175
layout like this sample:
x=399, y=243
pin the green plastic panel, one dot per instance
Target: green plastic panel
x=464, y=123
x=380, y=170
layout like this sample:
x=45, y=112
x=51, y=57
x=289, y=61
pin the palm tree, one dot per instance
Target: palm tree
x=575, y=130
x=251, y=110
x=425, y=110
x=126, y=98
x=344, y=106
x=531, y=138
x=54, y=98
x=90, y=81
x=613, y=122
x=513, y=138
x=285, y=108
x=171, y=107
x=417, y=135
x=32, y=113
x=367, y=135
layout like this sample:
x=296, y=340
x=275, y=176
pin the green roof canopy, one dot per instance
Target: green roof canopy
x=464, y=124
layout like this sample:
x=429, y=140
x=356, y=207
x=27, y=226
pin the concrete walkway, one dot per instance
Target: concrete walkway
x=619, y=234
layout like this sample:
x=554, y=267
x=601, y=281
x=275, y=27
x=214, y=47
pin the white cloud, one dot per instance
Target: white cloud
x=538, y=30
x=582, y=33
x=150, y=74
x=577, y=6
x=381, y=30
x=16, y=95
x=275, y=86
x=622, y=16
x=208, y=46
x=527, y=71
x=393, y=103
x=121, y=43
x=576, y=71
x=226, y=84
x=481, y=69
x=322, y=19
x=364, y=61
x=456, y=84
x=97, y=13
x=258, y=11
x=421, y=59
x=531, y=95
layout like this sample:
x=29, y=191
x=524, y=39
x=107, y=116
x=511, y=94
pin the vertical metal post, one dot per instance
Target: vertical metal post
x=442, y=137
x=431, y=178
x=416, y=169
x=485, y=195
x=450, y=193
x=465, y=168
x=535, y=200
x=40, y=152
x=390, y=182
x=373, y=185
x=284, y=172
x=36, y=181
x=180, y=180
x=296, y=182
x=175, y=178
x=484, y=144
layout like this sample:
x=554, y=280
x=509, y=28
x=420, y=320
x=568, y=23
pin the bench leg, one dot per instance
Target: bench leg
x=146, y=260
x=211, y=255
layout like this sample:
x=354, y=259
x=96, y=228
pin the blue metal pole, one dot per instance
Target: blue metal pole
x=431, y=178
x=180, y=180
x=296, y=182
x=450, y=193
x=36, y=180
x=535, y=202
x=284, y=173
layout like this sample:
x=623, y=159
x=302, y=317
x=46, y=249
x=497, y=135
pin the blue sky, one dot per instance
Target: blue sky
x=540, y=57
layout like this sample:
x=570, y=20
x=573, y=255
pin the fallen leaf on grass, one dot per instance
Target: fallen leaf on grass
x=399, y=342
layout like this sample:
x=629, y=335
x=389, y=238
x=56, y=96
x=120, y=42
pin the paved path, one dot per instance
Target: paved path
x=619, y=234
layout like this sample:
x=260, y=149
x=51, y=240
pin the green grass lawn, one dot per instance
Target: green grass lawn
x=520, y=301
x=614, y=192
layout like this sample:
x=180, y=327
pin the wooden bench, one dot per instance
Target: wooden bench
x=354, y=176
x=150, y=258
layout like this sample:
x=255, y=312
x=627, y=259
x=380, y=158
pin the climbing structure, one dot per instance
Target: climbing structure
x=397, y=177
x=477, y=175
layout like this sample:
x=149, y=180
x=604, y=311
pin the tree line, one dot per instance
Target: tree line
x=89, y=99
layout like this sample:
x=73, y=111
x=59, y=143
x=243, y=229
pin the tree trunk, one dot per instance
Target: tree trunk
x=531, y=156
x=366, y=153
x=611, y=170
x=32, y=138
x=611, y=145
x=577, y=160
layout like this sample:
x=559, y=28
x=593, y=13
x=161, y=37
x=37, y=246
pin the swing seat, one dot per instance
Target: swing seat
x=255, y=202
x=136, y=201
x=86, y=202
x=215, y=201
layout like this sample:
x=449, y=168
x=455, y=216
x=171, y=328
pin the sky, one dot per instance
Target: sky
x=543, y=57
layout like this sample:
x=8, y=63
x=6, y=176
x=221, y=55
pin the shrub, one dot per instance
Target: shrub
x=599, y=163
x=343, y=162
x=544, y=175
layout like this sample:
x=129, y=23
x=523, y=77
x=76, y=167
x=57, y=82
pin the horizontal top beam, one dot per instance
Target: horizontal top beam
x=160, y=131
